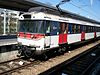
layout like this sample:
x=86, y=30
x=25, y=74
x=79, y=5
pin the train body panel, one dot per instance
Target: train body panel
x=97, y=34
x=38, y=44
x=54, y=41
x=89, y=35
x=72, y=38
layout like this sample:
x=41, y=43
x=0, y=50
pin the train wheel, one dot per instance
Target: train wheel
x=28, y=53
x=59, y=51
x=44, y=57
x=63, y=49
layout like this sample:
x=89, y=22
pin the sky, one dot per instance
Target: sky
x=81, y=7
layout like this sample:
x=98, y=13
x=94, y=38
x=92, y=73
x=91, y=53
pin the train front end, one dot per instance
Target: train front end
x=31, y=36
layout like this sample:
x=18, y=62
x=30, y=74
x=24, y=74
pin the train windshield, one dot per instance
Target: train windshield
x=31, y=26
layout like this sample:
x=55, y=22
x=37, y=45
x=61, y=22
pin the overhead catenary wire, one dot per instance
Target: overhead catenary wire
x=85, y=10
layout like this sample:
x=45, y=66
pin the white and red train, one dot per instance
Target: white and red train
x=44, y=29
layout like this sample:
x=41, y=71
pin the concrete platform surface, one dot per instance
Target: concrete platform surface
x=4, y=42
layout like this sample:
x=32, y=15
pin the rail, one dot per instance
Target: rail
x=15, y=65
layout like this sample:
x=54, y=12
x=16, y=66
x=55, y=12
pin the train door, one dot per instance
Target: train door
x=63, y=33
x=47, y=35
x=83, y=29
x=54, y=33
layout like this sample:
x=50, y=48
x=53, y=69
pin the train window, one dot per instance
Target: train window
x=84, y=28
x=77, y=28
x=48, y=23
x=54, y=27
x=87, y=29
x=36, y=26
x=81, y=28
x=66, y=27
x=73, y=28
x=99, y=29
x=62, y=27
x=69, y=28
x=93, y=29
x=96, y=29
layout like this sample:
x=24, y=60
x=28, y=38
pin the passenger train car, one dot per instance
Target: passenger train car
x=43, y=29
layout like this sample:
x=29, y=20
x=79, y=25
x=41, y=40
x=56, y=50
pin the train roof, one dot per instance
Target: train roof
x=54, y=10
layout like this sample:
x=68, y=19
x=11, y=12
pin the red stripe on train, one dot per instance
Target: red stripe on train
x=30, y=36
x=82, y=36
x=62, y=38
x=94, y=34
x=21, y=34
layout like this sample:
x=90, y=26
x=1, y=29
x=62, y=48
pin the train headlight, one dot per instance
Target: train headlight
x=32, y=36
x=18, y=35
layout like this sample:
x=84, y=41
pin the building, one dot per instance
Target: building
x=8, y=21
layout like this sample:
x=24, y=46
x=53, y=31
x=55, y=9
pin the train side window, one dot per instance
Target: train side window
x=69, y=28
x=73, y=28
x=90, y=28
x=77, y=28
x=96, y=29
x=66, y=27
x=48, y=23
x=87, y=29
x=54, y=27
x=93, y=29
x=81, y=28
x=99, y=29
x=84, y=28
x=62, y=27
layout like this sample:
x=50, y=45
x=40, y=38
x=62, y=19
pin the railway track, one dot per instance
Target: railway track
x=78, y=65
x=6, y=68
x=16, y=65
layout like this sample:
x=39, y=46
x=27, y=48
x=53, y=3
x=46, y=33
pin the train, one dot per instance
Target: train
x=43, y=29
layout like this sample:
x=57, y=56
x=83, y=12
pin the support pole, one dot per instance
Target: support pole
x=4, y=22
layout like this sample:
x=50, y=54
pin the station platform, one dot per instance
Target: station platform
x=8, y=40
x=12, y=36
x=4, y=42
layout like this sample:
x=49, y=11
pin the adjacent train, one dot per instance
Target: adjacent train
x=43, y=29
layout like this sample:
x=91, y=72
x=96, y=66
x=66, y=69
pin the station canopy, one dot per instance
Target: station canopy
x=25, y=5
